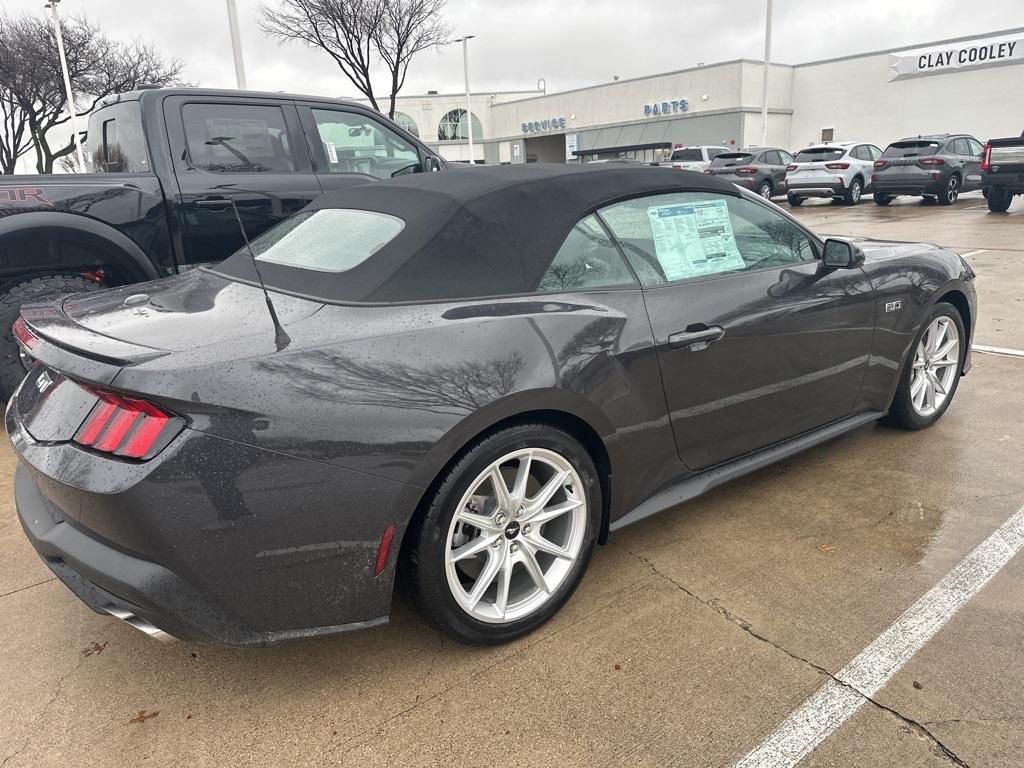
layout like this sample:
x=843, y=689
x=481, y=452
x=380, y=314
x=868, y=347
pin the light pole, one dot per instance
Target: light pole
x=469, y=106
x=236, y=44
x=764, y=88
x=79, y=154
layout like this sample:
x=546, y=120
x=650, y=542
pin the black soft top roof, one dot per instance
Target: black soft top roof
x=484, y=231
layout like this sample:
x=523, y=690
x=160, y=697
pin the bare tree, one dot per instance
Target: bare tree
x=98, y=67
x=359, y=33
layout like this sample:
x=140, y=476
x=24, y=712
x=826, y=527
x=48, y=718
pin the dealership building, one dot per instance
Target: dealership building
x=973, y=85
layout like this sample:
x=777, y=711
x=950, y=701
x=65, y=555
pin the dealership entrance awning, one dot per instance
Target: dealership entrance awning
x=623, y=148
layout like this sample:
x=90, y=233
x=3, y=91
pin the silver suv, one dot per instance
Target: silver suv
x=695, y=158
x=839, y=170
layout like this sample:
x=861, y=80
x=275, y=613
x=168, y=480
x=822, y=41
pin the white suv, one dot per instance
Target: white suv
x=841, y=171
x=695, y=158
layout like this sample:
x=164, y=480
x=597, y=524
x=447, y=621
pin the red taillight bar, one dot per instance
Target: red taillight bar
x=24, y=334
x=986, y=159
x=791, y=167
x=879, y=163
x=932, y=161
x=745, y=169
x=126, y=426
x=837, y=166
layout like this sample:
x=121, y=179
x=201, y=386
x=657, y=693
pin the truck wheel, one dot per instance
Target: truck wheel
x=999, y=199
x=12, y=369
x=795, y=201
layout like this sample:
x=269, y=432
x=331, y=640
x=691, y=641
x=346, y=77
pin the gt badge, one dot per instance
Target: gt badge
x=892, y=306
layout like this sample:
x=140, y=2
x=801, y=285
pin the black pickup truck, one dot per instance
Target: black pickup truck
x=166, y=165
x=1002, y=172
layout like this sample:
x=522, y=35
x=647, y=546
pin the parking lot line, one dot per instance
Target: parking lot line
x=973, y=253
x=998, y=350
x=838, y=698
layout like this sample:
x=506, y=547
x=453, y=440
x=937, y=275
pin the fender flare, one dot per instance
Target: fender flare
x=127, y=250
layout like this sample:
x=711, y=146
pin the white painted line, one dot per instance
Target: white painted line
x=973, y=253
x=835, y=702
x=998, y=350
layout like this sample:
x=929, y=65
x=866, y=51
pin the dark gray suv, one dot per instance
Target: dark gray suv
x=759, y=169
x=937, y=167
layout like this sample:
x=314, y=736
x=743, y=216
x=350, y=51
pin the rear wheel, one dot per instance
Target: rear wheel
x=765, y=190
x=12, y=366
x=951, y=191
x=795, y=201
x=881, y=199
x=853, y=192
x=999, y=199
x=508, y=535
x=931, y=375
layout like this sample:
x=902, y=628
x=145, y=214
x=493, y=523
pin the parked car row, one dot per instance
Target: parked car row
x=937, y=167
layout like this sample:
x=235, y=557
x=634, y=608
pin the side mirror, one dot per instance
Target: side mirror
x=431, y=164
x=841, y=254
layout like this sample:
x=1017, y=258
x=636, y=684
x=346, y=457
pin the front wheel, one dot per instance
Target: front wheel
x=508, y=535
x=999, y=199
x=930, y=377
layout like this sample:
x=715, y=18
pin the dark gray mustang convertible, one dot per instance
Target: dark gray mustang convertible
x=464, y=379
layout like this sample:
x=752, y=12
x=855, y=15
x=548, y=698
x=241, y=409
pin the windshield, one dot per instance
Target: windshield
x=689, y=155
x=732, y=158
x=327, y=240
x=819, y=154
x=911, y=149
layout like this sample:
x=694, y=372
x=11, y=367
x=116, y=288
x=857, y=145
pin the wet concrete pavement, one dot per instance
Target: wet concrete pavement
x=692, y=637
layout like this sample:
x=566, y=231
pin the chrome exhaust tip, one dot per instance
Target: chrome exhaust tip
x=139, y=623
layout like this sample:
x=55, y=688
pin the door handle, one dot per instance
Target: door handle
x=212, y=203
x=696, y=337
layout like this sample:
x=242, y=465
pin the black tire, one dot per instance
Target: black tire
x=423, y=554
x=902, y=412
x=765, y=190
x=794, y=200
x=984, y=193
x=999, y=199
x=853, y=192
x=12, y=370
x=882, y=199
x=951, y=191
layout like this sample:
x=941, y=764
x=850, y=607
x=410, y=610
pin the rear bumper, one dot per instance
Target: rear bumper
x=246, y=547
x=923, y=186
x=1012, y=181
x=816, y=189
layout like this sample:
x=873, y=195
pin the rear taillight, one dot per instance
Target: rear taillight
x=932, y=161
x=879, y=163
x=127, y=427
x=24, y=334
x=791, y=167
x=986, y=159
x=747, y=169
x=837, y=166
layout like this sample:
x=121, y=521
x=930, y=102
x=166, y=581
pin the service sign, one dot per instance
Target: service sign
x=951, y=57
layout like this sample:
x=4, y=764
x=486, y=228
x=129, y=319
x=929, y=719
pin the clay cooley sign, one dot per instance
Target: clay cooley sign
x=971, y=54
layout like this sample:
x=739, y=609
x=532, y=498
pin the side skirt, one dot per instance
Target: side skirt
x=696, y=485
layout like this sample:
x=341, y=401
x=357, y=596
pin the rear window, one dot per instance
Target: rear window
x=819, y=154
x=732, y=158
x=687, y=155
x=911, y=149
x=115, y=140
x=327, y=240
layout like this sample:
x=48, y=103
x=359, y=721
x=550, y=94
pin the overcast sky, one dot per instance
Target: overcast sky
x=568, y=42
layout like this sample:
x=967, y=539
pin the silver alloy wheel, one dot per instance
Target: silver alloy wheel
x=935, y=366
x=855, y=190
x=765, y=191
x=953, y=189
x=516, y=535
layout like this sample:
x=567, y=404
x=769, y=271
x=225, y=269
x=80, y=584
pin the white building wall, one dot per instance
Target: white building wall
x=856, y=98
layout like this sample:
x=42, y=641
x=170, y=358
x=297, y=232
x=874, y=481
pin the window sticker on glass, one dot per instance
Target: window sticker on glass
x=332, y=151
x=693, y=239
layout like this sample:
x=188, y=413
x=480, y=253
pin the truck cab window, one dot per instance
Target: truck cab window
x=234, y=138
x=115, y=140
x=356, y=143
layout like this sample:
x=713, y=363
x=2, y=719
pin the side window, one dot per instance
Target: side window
x=786, y=158
x=861, y=153
x=687, y=235
x=237, y=138
x=587, y=260
x=356, y=143
x=976, y=149
x=958, y=147
x=875, y=151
